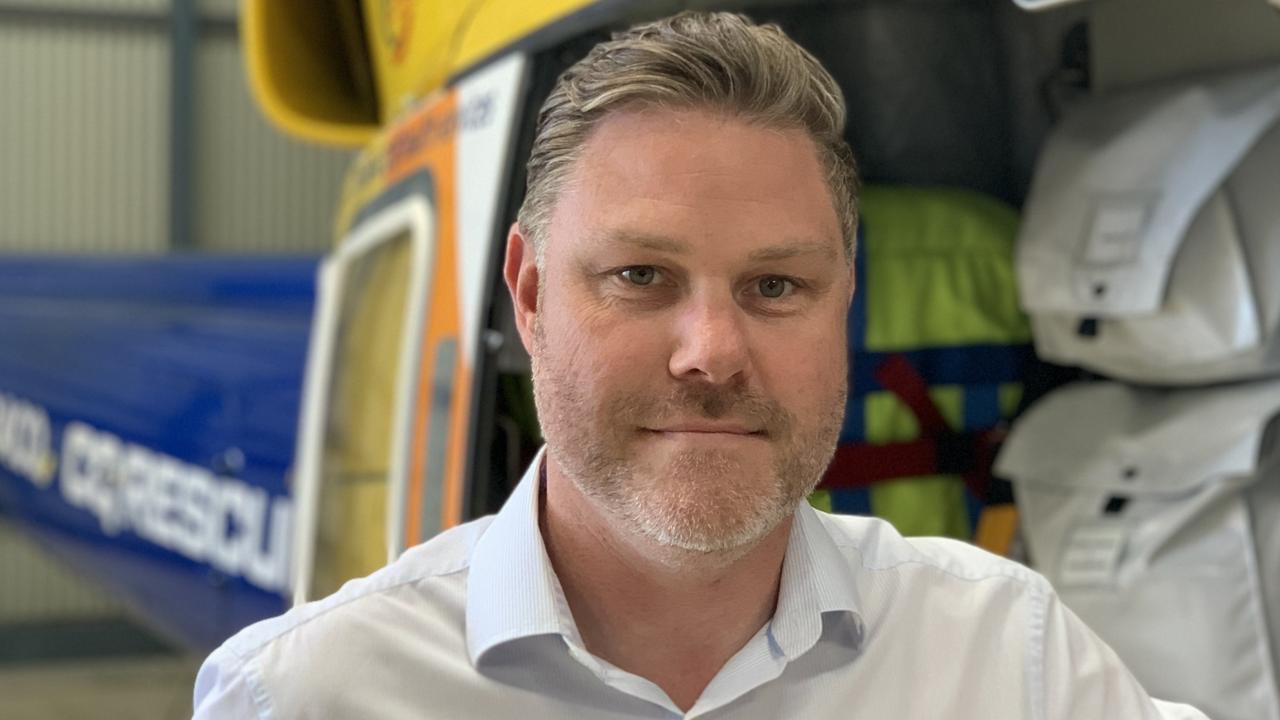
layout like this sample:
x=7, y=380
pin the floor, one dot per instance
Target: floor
x=156, y=687
x=68, y=651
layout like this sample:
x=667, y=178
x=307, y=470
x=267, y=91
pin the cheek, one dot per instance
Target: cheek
x=603, y=352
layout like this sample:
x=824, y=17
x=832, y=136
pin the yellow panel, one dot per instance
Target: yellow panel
x=997, y=528
x=416, y=46
x=363, y=184
x=294, y=54
x=503, y=22
x=305, y=78
x=409, y=42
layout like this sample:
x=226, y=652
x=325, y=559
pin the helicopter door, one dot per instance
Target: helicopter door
x=360, y=376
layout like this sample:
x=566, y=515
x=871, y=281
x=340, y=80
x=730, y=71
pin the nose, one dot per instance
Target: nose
x=711, y=343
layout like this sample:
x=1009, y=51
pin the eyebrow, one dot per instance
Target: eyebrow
x=646, y=242
x=790, y=250
x=675, y=247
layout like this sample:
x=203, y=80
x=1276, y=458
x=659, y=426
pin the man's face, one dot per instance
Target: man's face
x=689, y=341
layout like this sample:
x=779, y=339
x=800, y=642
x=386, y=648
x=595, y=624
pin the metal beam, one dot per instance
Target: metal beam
x=94, y=19
x=182, y=115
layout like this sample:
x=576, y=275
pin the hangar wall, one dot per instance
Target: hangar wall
x=88, y=105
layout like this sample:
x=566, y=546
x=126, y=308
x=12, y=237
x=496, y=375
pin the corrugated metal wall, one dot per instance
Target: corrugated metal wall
x=255, y=189
x=111, y=5
x=36, y=588
x=82, y=128
x=85, y=113
x=223, y=8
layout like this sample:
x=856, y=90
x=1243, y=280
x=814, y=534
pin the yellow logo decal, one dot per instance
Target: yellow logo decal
x=397, y=20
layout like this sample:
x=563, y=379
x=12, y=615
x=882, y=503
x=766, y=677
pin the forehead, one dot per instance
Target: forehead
x=691, y=175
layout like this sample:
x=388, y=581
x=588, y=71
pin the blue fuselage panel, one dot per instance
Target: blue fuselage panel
x=148, y=412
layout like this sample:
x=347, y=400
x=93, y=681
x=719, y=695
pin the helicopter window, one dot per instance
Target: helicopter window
x=351, y=529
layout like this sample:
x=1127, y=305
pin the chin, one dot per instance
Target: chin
x=710, y=512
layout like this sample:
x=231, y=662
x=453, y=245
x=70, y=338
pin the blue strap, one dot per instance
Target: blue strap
x=962, y=365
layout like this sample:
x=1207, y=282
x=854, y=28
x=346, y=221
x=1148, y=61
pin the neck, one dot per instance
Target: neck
x=667, y=615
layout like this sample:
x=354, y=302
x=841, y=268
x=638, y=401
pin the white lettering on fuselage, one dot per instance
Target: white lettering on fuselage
x=233, y=526
x=26, y=445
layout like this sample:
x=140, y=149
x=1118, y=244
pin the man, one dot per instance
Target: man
x=681, y=272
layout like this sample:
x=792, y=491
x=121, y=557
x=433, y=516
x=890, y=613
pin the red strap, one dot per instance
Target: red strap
x=858, y=465
x=897, y=375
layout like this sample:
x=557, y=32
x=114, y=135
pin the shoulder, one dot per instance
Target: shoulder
x=969, y=603
x=872, y=545
x=428, y=565
x=422, y=594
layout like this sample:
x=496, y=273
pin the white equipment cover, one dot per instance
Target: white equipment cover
x=1150, y=245
x=1156, y=516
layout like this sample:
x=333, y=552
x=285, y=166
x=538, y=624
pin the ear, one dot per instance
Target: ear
x=520, y=270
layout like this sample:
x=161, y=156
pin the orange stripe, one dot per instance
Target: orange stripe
x=451, y=507
x=427, y=140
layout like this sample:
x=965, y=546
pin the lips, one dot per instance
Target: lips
x=708, y=428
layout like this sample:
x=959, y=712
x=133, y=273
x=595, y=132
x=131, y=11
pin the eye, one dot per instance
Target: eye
x=640, y=274
x=774, y=286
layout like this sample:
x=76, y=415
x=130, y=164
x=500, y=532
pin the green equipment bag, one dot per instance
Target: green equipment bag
x=938, y=349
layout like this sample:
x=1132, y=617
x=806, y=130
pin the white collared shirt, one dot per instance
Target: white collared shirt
x=474, y=624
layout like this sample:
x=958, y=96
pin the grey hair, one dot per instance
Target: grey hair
x=722, y=61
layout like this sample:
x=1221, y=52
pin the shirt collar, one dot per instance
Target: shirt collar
x=817, y=583
x=513, y=593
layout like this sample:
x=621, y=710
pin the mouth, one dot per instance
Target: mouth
x=707, y=430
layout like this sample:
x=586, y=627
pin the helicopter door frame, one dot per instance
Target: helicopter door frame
x=415, y=215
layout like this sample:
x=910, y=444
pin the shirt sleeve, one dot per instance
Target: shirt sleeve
x=1083, y=678
x=225, y=689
